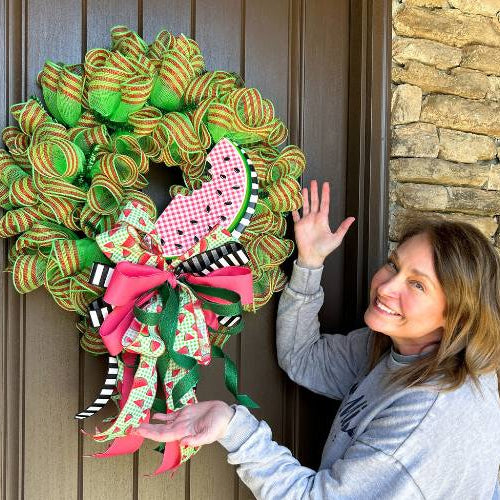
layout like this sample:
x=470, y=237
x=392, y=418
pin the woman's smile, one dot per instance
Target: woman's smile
x=383, y=309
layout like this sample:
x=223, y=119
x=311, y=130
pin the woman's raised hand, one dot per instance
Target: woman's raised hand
x=194, y=425
x=313, y=235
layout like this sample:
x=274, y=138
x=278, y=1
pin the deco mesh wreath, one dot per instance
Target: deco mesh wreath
x=159, y=296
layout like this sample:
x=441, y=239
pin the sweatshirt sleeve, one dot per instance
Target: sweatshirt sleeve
x=272, y=473
x=325, y=364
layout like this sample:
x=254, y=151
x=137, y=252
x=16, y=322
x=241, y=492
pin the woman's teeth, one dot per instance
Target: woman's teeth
x=385, y=308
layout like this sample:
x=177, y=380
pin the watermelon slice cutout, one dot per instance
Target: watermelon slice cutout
x=227, y=200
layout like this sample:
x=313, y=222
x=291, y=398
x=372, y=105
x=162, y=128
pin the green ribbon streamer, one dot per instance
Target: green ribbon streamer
x=231, y=378
x=167, y=322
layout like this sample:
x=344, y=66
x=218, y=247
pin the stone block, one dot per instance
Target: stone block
x=494, y=177
x=482, y=58
x=418, y=140
x=400, y=217
x=436, y=171
x=465, y=147
x=432, y=4
x=462, y=114
x=432, y=197
x=425, y=51
x=406, y=104
x=461, y=82
x=449, y=26
x=396, y=5
x=481, y=7
x=494, y=91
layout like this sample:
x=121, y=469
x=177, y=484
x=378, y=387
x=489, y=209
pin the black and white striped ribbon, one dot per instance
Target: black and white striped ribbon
x=100, y=274
x=226, y=255
x=229, y=321
x=98, y=311
x=252, y=202
x=105, y=393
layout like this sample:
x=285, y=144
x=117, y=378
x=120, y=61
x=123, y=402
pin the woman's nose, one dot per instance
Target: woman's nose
x=390, y=287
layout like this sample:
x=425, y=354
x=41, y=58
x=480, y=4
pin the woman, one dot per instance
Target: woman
x=420, y=416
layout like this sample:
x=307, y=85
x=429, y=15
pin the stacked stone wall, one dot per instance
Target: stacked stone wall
x=445, y=113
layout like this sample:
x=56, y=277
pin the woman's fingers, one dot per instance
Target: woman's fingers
x=343, y=228
x=325, y=198
x=196, y=440
x=295, y=216
x=314, y=197
x=165, y=417
x=305, y=202
x=160, y=432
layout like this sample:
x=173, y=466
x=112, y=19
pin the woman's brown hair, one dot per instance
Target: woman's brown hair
x=468, y=268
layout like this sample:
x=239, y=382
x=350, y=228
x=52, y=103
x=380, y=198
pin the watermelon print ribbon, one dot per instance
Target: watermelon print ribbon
x=165, y=316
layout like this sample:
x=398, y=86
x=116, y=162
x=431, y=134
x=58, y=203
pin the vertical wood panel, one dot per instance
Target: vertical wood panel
x=174, y=16
x=102, y=15
x=218, y=32
x=108, y=478
x=170, y=15
x=12, y=319
x=3, y=255
x=51, y=352
x=266, y=26
x=103, y=478
x=261, y=377
x=326, y=94
x=326, y=55
x=51, y=399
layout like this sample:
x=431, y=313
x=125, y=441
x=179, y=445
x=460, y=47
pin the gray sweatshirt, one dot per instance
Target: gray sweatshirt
x=385, y=443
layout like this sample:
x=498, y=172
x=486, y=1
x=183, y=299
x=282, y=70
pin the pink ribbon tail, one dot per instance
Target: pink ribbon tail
x=235, y=278
x=171, y=458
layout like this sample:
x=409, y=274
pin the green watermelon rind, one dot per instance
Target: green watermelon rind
x=248, y=191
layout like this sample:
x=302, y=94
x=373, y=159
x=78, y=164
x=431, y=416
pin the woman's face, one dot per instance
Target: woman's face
x=407, y=302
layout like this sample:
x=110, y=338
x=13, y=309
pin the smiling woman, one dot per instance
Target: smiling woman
x=453, y=296
x=401, y=291
x=420, y=408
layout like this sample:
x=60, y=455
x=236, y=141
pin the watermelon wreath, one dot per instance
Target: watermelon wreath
x=159, y=295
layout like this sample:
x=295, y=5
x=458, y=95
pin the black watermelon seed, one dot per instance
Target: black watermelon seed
x=228, y=203
x=193, y=221
x=208, y=208
x=179, y=231
x=226, y=158
x=219, y=192
x=177, y=245
x=196, y=239
x=236, y=187
x=222, y=176
x=237, y=170
x=210, y=227
x=223, y=217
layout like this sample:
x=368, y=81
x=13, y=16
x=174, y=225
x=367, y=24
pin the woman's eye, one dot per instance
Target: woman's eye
x=418, y=285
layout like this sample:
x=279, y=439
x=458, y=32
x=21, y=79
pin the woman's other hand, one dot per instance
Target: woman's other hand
x=194, y=425
x=313, y=235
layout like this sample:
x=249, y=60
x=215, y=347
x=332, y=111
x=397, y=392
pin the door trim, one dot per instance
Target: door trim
x=368, y=150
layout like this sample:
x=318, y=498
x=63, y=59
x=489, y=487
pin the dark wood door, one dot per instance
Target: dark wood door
x=324, y=65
